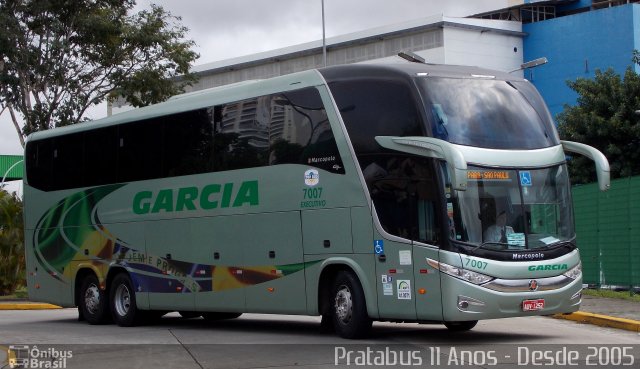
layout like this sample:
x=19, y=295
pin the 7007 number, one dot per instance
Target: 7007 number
x=312, y=193
x=476, y=264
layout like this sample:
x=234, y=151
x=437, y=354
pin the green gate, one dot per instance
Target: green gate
x=608, y=231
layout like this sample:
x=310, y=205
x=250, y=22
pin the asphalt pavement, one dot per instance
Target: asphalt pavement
x=605, y=312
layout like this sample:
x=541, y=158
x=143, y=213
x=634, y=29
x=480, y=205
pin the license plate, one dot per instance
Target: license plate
x=533, y=305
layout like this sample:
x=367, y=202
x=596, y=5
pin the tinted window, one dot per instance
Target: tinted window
x=300, y=132
x=487, y=113
x=140, y=150
x=39, y=161
x=67, y=161
x=188, y=143
x=286, y=128
x=405, y=194
x=372, y=108
x=100, y=156
x=242, y=134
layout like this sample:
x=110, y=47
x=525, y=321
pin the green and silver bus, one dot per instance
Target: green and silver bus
x=399, y=192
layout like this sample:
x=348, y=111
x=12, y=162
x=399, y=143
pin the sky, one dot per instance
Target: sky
x=224, y=29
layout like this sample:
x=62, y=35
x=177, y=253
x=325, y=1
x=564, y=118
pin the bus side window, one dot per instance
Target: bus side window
x=188, y=143
x=100, y=156
x=67, y=161
x=241, y=138
x=301, y=132
x=140, y=151
x=286, y=128
x=39, y=156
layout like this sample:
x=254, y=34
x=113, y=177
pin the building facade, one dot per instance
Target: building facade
x=576, y=36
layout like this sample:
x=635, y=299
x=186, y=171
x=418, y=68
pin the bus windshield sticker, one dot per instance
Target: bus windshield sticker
x=404, y=289
x=525, y=178
x=516, y=239
x=549, y=240
x=387, y=289
x=405, y=257
x=311, y=177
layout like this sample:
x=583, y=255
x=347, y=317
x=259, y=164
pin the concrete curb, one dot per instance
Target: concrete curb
x=601, y=320
x=27, y=306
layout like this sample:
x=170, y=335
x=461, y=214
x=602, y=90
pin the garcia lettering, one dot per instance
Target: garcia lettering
x=209, y=197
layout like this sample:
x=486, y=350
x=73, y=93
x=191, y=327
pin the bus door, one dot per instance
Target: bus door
x=395, y=282
x=406, y=202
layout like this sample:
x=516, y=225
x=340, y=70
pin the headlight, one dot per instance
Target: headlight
x=575, y=272
x=464, y=274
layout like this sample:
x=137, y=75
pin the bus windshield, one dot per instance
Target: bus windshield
x=482, y=112
x=512, y=210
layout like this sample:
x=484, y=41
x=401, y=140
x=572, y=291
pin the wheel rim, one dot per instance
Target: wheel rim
x=122, y=300
x=92, y=299
x=344, y=304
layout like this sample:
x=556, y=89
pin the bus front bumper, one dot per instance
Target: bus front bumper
x=464, y=301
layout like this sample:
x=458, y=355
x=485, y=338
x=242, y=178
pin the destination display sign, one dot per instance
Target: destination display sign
x=493, y=175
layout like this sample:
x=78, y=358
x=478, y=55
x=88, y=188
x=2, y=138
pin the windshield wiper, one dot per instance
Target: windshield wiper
x=490, y=243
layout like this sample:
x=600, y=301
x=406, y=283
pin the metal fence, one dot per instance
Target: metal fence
x=608, y=232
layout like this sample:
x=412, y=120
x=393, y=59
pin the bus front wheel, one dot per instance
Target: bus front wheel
x=93, y=301
x=461, y=326
x=123, y=302
x=349, y=310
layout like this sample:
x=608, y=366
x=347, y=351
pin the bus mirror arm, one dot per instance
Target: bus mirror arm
x=602, y=164
x=431, y=148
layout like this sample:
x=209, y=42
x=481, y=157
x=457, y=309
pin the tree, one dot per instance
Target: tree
x=59, y=57
x=605, y=118
x=12, y=262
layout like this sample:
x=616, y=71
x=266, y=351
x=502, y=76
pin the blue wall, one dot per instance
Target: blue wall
x=577, y=45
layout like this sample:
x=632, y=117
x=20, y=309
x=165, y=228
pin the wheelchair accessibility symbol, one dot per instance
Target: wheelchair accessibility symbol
x=378, y=246
x=525, y=178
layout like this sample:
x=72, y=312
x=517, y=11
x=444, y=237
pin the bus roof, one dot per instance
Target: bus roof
x=411, y=70
x=247, y=89
x=194, y=100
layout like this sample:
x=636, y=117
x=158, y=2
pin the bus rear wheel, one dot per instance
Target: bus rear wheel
x=461, y=326
x=93, y=301
x=124, y=310
x=349, y=310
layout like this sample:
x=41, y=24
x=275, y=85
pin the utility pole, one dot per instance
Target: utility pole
x=324, y=42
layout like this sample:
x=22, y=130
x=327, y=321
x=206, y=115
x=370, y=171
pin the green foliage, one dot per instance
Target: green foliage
x=59, y=57
x=605, y=118
x=624, y=295
x=12, y=259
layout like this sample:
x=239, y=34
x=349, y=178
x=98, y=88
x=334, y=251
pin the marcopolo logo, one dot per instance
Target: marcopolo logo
x=534, y=268
x=209, y=197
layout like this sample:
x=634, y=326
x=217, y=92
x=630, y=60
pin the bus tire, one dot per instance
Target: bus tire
x=212, y=317
x=348, y=307
x=93, y=304
x=124, y=310
x=461, y=326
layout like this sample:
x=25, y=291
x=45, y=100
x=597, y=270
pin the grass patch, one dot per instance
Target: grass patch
x=624, y=295
x=19, y=294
